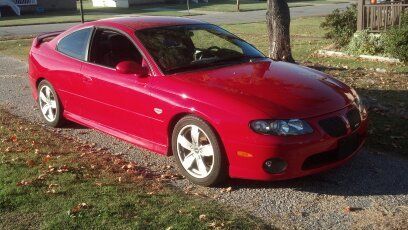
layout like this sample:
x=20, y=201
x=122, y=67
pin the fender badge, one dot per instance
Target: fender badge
x=158, y=111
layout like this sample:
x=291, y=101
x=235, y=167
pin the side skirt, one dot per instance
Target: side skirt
x=138, y=141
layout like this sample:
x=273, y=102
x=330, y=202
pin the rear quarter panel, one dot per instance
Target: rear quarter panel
x=47, y=63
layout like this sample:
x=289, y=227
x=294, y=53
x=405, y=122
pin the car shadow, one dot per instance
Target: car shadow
x=73, y=125
x=366, y=174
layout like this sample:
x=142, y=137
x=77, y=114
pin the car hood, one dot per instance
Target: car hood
x=278, y=89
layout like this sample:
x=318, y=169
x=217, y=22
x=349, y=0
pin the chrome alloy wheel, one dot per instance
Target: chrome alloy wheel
x=48, y=104
x=195, y=151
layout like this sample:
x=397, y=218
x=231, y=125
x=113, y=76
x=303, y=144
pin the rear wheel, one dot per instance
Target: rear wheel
x=197, y=152
x=49, y=103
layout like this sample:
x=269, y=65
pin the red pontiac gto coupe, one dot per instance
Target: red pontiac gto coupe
x=190, y=89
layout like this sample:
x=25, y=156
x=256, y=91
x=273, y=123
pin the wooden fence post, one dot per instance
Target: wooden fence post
x=360, y=15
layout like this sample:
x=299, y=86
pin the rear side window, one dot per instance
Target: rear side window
x=76, y=44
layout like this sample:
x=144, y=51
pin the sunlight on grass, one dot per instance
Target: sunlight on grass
x=48, y=181
x=307, y=38
x=95, y=13
x=16, y=48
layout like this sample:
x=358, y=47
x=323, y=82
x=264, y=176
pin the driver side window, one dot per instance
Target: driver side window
x=109, y=48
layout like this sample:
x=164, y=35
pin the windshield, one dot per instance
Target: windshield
x=189, y=47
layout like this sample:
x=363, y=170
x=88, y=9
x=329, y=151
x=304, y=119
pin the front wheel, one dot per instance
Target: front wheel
x=49, y=103
x=197, y=152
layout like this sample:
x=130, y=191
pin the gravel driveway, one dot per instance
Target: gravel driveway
x=369, y=192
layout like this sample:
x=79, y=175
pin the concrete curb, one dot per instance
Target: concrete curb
x=329, y=53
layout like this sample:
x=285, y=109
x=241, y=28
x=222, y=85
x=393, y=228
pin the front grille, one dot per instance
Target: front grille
x=334, y=126
x=353, y=116
x=345, y=148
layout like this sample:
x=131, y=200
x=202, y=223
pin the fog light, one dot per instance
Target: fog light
x=275, y=165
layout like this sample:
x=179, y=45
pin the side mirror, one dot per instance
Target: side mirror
x=131, y=67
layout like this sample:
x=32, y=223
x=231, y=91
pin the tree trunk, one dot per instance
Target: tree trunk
x=238, y=9
x=278, y=23
x=188, y=6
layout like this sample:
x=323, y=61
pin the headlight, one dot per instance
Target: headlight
x=281, y=127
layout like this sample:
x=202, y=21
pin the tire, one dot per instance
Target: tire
x=199, y=157
x=52, y=115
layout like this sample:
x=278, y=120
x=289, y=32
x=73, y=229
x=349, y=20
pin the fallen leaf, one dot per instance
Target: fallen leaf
x=24, y=183
x=130, y=165
x=118, y=161
x=99, y=184
x=63, y=168
x=212, y=224
x=42, y=176
x=349, y=209
x=30, y=163
x=202, y=217
x=13, y=138
x=229, y=189
x=52, y=185
x=78, y=208
x=51, y=191
x=51, y=168
x=52, y=188
x=47, y=158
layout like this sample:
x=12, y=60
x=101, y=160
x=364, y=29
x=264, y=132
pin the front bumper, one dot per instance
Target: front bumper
x=304, y=155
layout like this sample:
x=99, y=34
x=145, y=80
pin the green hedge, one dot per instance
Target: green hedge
x=396, y=40
x=341, y=25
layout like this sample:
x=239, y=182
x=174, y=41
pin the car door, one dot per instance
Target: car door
x=117, y=101
x=71, y=53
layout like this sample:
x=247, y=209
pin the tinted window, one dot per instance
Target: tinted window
x=109, y=48
x=75, y=44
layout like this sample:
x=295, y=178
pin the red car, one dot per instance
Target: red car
x=187, y=88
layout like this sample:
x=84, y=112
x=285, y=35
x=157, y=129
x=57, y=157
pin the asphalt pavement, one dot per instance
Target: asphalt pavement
x=370, y=192
x=215, y=18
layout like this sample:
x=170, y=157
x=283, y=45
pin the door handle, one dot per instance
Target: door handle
x=87, y=79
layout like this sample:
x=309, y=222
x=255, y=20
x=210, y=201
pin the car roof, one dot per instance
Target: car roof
x=145, y=22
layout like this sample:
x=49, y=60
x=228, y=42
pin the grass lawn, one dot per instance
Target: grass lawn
x=307, y=37
x=18, y=48
x=385, y=93
x=91, y=13
x=250, y=5
x=50, y=182
x=95, y=13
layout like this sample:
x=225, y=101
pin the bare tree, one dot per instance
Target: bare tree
x=278, y=22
